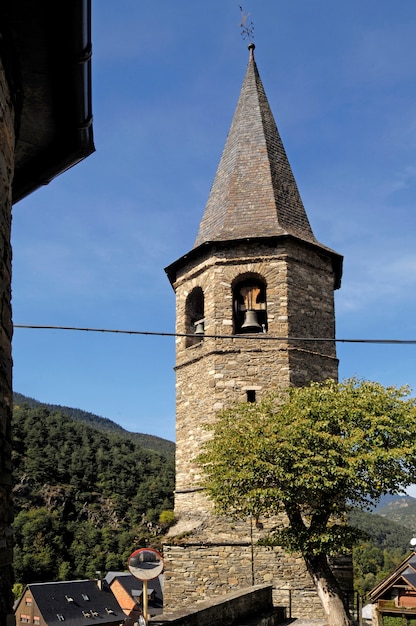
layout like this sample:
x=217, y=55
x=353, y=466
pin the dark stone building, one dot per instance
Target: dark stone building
x=45, y=128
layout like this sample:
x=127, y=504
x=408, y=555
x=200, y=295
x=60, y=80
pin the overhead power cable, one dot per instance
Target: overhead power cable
x=257, y=336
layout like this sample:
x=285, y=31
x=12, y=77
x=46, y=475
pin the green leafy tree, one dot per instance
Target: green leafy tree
x=18, y=589
x=372, y=564
x=38, y=544
x=167, y=518
x=308, y=451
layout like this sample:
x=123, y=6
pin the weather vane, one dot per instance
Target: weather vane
x=247, y=27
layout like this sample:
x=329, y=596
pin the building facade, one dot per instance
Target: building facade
x=252, y=296
x=128, y=592
x=45, y=128
x=77, y=601
x=395, y=595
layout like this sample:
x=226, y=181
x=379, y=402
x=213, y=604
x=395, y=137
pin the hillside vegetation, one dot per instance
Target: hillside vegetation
x=87, y=493
x=85, y=497
x=400, y=510
x=386, y=545
x=100, y=423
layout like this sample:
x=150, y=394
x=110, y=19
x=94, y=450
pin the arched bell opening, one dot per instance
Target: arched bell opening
x=194, y=317
x=250, y=305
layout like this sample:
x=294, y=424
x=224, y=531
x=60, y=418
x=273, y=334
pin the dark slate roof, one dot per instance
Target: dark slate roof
x=98, y=606
x=134, y=587
x=409, y=575
x=254, y=193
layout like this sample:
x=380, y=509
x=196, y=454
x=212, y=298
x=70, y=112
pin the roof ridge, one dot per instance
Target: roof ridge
x=62, y=582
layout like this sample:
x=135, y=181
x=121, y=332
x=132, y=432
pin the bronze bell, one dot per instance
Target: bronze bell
x=250, y=324
x=199, y=329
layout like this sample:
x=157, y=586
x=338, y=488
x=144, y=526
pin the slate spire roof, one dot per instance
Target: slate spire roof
x=254, y=193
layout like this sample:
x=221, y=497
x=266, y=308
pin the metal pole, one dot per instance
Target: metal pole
x=145, y=602
x=252, y=550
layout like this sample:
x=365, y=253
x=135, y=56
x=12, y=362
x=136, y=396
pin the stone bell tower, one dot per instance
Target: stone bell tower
x=252, y=295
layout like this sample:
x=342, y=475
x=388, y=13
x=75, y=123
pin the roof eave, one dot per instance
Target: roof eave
x=52, y=46
x=208, y=246
x=381, y=587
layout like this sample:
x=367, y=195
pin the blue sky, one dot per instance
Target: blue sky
x=90, y=248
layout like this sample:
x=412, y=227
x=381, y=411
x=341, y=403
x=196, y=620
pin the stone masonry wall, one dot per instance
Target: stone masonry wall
x=213, y=556
x=220, y=555
x=210, y=571
x=207, y=555
x=7, y=143
x=217, y=372
x=253, y=606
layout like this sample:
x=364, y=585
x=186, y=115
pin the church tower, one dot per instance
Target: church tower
x=252, y=296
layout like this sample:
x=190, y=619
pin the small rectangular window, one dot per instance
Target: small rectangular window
x=251, y=395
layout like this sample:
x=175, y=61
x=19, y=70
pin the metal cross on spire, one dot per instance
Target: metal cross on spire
x=247, y=27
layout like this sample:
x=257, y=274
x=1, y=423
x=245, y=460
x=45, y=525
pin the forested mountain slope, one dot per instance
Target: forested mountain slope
x=101, y=423
x=385, y=533
x=401, y=510
x=87, y=493
x=85, y=497
x=386, y=545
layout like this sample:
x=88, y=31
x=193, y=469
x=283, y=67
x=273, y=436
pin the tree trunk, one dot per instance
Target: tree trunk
x=328, y=589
